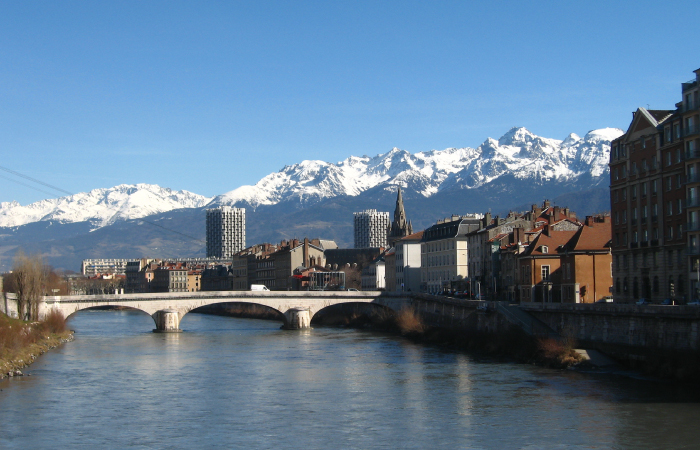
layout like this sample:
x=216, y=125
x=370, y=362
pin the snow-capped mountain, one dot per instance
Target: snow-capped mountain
x=518, y=153
x=101, y=207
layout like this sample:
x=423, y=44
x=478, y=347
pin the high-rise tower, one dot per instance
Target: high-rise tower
x=225, y=231
x=371, y=228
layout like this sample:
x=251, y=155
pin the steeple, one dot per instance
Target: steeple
x=400, y=227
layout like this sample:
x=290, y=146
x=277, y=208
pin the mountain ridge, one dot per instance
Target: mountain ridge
x=316, y=198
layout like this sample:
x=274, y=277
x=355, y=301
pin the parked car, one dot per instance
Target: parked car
x=666, y=301
x=643, y=301
x=607, y=299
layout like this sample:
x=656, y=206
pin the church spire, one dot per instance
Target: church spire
x=400, y=227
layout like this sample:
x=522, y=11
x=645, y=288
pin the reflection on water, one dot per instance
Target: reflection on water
x=241, y=383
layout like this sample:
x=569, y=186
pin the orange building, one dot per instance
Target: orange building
x=568, y=266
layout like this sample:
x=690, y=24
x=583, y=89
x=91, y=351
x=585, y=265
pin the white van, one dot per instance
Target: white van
x=258, y=287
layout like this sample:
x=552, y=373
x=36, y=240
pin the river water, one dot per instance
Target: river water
x=227, y=383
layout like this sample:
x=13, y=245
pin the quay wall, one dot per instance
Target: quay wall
x=644, y=326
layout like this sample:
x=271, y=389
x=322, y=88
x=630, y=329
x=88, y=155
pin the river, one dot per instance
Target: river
x=227, y=383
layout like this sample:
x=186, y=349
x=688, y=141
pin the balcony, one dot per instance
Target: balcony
x=692, y=202
x=693, y=226
x=654, y=242
x=645, y=244
x=634, y=244
x=692, y=250
x=694, y=178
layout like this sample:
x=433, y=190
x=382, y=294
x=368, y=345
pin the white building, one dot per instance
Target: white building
x=225, y=231
x=371, y=228
x=373, y=275
x=92, y=267
x=407, y=254
x=444, y=253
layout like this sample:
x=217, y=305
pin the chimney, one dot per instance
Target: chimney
x=306, y=252
x=589, y=221
x=546, y=204
x=548, y=230
x=557, y=214
x=551, y=219
x=487, y=219
x=294, y=243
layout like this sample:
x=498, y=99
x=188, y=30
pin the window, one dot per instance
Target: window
x=653, y=187
x=545, y=249
x=667, y=133
x=616, y=196
x=634, y=192
x=633, y=171
x=669, y=183
x=624, y=194
x=653, y=162
x=624, y=216
x=644, y=145
x=679, y=181
x=545, y=273
x=679, y=206
x=678, y=155
x=644, y=190
x=668, y=158
x=617, y=217
x=644, y=212
x=677, y=130
x=669, y=208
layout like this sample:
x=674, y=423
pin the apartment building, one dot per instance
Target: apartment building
x=225, y=231
x=407, y=263
x=647, y=197
x=690, y=115
x=444, y=254
x=371, y=228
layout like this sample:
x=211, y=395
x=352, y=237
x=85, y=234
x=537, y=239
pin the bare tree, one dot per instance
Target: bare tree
x=29, y=275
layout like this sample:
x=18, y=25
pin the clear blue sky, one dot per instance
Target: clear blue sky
x=208, y=96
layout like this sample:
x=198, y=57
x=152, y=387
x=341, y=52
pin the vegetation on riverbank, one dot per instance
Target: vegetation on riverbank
x=21, y=342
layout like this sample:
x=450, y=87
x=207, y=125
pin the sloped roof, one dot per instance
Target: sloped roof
x=554, y=242
x=592, y=238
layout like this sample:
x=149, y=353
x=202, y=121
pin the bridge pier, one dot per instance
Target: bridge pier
x=167, y=321
x=297, y=319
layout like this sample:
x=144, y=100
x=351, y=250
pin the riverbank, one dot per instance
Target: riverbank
x=22, y=342
x=513, y=343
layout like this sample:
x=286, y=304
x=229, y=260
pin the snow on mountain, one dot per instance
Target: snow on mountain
x=518, y=152
x=101, y=206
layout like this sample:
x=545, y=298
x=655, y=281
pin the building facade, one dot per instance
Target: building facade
x=407, y=265
x=444, y=254
x=690, y=114
x=225, y=231
x=371, y=228
x=647, y=198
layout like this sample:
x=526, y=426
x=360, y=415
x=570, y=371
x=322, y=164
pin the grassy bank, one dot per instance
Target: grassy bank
x=22, y=342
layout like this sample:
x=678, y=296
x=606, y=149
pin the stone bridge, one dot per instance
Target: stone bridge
x=297, y=308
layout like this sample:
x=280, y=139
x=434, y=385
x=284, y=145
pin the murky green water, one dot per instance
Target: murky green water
x=245, y=384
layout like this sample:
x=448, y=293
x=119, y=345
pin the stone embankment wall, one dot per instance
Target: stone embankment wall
x=471, y=315
x=642, y=326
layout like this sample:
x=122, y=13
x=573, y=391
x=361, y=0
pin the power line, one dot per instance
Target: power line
x=26, y=185
x=35, y=180
x=70, y=193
